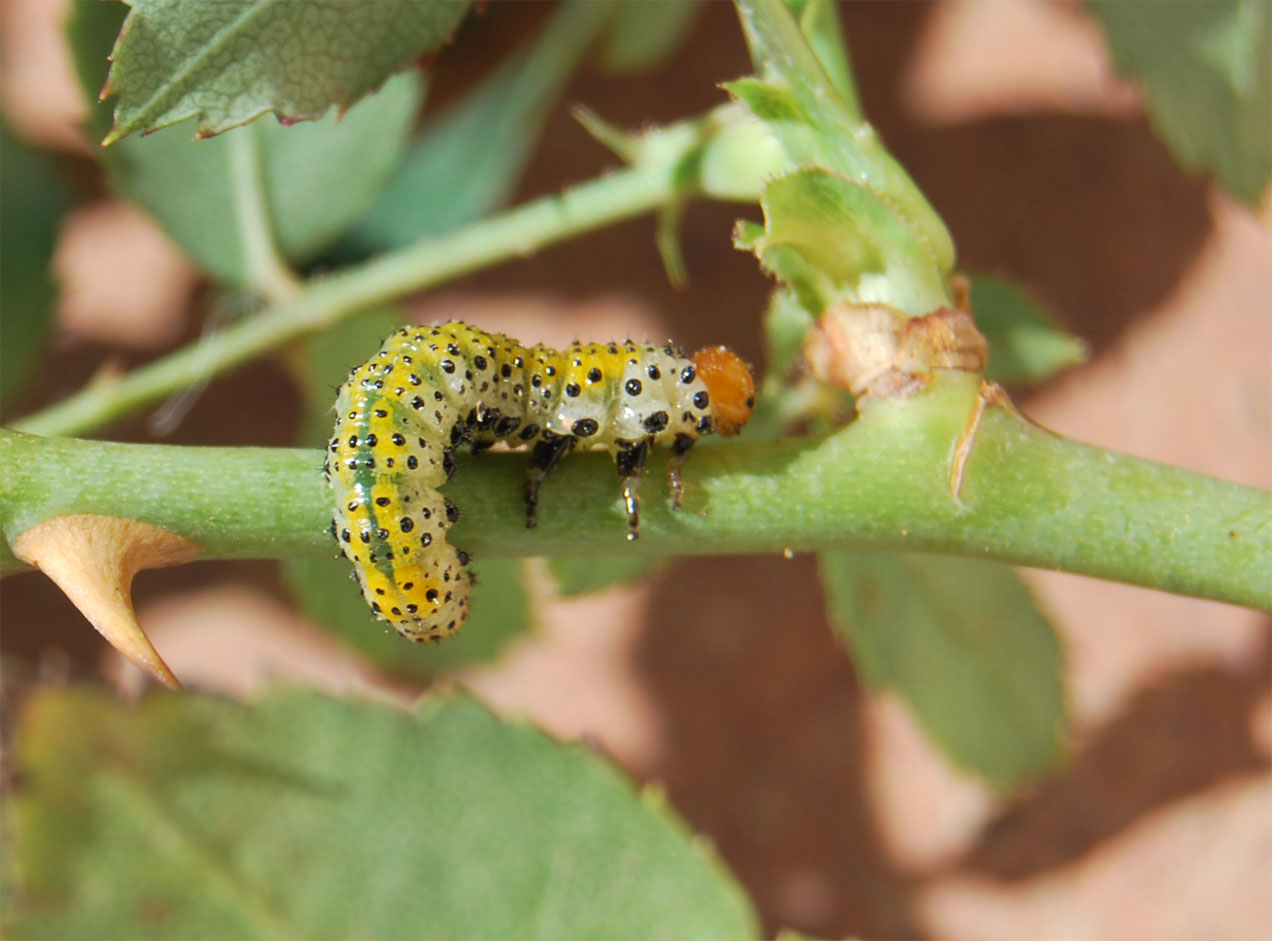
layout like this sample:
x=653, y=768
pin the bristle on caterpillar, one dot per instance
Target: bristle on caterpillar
x=430, y=390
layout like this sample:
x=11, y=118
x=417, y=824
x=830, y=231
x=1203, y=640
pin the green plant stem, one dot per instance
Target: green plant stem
x=323, y=302
x=268, y=271
x=1030, y=498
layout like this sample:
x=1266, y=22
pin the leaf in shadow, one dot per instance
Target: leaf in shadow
x=467, y=160
x=644, y=35
x=304, y=816
x=963, y=643
x=1206, y=70
x=1025, y=343
x=578, y=575
x=325, y=591
x=33, y=203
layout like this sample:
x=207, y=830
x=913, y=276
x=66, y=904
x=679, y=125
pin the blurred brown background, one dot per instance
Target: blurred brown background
x=825, y=800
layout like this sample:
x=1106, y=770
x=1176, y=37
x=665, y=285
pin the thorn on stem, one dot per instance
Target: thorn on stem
x=93, y=560
x=989, y=393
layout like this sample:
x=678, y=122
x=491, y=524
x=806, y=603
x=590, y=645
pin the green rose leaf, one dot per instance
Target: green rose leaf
x=468, y=159
x=1025, y=344
x=963, y=642
x=817, y=124
x=833, y=240
x=33, y=201
x=231, y=61
x=310, y=817
x=644, y=35
x=325, y=590
x=579, y=575
x=296, y=188
x=1206, y=70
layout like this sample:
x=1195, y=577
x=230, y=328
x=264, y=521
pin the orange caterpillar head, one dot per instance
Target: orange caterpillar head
x=729, y=383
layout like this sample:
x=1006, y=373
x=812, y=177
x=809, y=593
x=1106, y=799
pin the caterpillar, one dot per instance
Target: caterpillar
x=430, y=390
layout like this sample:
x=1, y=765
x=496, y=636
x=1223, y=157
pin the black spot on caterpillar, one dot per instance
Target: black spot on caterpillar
x=429, y=390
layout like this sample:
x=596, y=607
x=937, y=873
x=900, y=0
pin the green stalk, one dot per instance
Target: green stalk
x=269, y=272
x=1029, y=498
x=323, y=302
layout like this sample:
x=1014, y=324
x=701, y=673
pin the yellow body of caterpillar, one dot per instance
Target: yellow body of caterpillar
x=401, y=414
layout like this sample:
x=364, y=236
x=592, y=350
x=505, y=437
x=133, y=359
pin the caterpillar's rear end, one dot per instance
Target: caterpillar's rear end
x=386, y=461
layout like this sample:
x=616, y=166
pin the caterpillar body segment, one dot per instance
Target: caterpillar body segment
x=429, y=390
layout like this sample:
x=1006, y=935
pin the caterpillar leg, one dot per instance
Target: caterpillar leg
x=547, y=451
x=679, y=451
x=631, y=466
